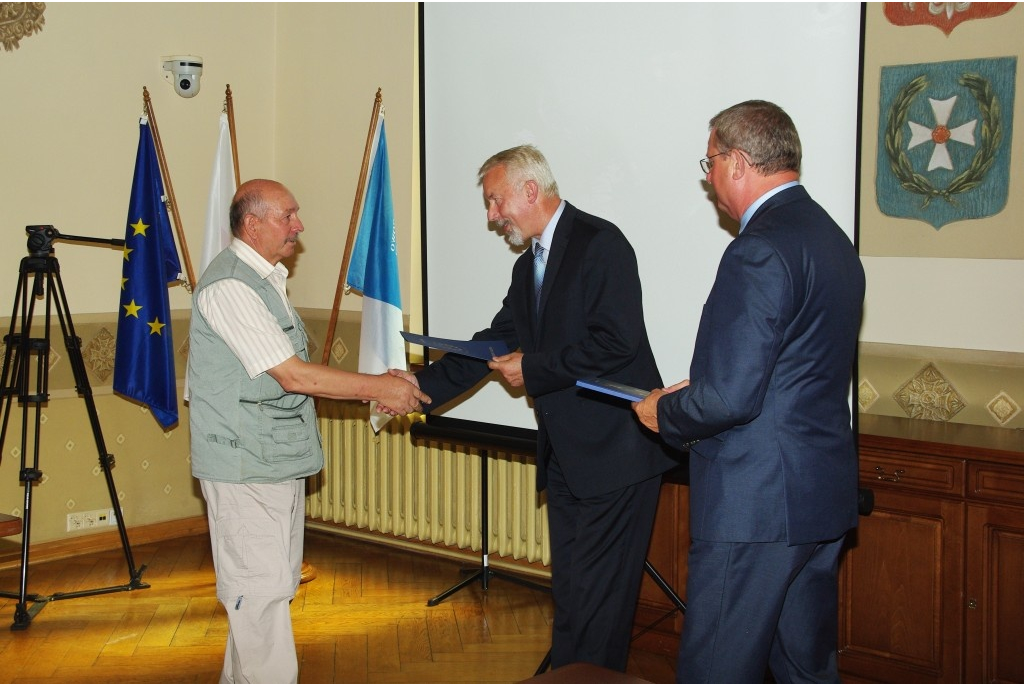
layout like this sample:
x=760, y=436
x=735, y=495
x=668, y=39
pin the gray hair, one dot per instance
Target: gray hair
x=522, y=163
x=762, y=130
x=248, y=200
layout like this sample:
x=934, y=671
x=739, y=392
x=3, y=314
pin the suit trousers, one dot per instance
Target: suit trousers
x=257, y=534
x=598, y=548
x=751, y=606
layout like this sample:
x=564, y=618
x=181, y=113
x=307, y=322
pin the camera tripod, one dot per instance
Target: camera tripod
x=26, y=381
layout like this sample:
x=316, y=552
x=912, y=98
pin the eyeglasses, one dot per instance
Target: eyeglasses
x=706, y=163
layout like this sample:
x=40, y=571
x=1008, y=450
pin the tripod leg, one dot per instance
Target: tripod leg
x=545, y=664
x=74, y=347
x=15, y=379
x=665, y=587
x=434, y=601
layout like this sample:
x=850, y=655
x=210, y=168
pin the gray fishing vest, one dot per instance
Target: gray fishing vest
x=244, y=430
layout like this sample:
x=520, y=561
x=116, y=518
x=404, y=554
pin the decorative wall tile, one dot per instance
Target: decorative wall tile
x=1003, y=408
x=928, y=395
x=866, y=395
x=98, y=354
x=338, y=350
x=989, y=383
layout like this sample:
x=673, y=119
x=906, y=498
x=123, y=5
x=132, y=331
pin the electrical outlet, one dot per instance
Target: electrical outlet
x=98, y=518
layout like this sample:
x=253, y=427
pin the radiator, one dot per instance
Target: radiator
x=425, y=490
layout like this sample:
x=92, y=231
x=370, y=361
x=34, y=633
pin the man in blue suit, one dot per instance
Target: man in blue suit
x=766, y=414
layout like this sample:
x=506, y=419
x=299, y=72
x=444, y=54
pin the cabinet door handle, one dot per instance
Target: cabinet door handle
x=894, y=478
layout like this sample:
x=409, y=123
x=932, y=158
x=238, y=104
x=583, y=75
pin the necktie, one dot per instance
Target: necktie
x=539, y=260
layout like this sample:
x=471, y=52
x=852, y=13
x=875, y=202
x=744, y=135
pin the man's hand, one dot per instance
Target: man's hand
x=510, y=366
x=647, y=408
x=400, y=393
x=405, y=376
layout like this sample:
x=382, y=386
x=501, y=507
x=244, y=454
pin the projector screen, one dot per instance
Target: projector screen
x=618, y=98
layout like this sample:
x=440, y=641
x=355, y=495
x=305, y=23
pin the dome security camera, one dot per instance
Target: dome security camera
x=183, y=72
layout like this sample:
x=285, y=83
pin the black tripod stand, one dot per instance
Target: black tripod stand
x=485, y=572
x=27, y=383
x=485, y=437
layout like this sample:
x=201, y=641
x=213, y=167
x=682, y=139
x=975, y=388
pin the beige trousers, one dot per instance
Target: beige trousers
x=256, y=532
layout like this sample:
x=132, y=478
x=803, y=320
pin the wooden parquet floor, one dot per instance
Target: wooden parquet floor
x=363, y=619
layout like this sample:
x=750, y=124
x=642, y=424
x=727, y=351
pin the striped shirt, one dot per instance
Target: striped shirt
x=238, y=315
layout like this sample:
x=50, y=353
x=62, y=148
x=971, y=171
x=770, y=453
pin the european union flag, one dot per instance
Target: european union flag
x=144, y=358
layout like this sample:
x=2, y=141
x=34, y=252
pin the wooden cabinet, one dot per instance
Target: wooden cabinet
x=932, y=583
x=900, y=588
x=994, y=648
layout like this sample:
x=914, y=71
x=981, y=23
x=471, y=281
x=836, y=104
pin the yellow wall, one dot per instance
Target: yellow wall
x=303, y=79
x=303, y=76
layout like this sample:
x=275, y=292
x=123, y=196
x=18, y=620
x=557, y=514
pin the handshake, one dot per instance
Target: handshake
x=400, y=393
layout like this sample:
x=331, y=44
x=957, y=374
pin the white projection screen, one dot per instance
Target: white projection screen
x=618, y=98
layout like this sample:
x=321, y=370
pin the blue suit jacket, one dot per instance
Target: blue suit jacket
x=591, y=324
x=769, y=381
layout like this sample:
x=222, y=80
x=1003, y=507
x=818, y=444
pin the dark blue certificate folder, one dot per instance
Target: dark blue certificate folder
x=478, y=349
x=613, y=388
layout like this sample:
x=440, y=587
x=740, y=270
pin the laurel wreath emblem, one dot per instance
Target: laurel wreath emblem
x=974, y=175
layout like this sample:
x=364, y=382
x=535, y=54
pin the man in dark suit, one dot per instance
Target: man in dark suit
x=773, y=466
x=601, y=469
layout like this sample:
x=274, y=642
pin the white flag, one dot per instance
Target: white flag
x=222, y=189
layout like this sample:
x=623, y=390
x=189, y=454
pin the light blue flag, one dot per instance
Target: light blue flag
x=373, y=270
x=144, y=356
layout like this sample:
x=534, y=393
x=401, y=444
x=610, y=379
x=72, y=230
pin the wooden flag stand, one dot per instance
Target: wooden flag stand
x=171, y=201
x=229, y=109
x=353, y=227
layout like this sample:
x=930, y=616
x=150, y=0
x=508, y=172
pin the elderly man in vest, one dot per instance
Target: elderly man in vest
x=254, y=428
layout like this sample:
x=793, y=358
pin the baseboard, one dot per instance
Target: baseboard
x=519, y=566
x=54, y=550
x=10, y=550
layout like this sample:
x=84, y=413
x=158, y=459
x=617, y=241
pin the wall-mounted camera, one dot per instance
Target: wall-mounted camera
x=183, y=71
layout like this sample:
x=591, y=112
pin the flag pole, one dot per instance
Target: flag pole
x=168, y=189
x=353, y=227
x=229, y=106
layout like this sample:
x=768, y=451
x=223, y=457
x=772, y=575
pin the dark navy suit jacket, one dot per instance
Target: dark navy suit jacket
x=768, y=396
x=591, y=324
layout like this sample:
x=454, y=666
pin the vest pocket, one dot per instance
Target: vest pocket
x=284, y=428
x=289, y=437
